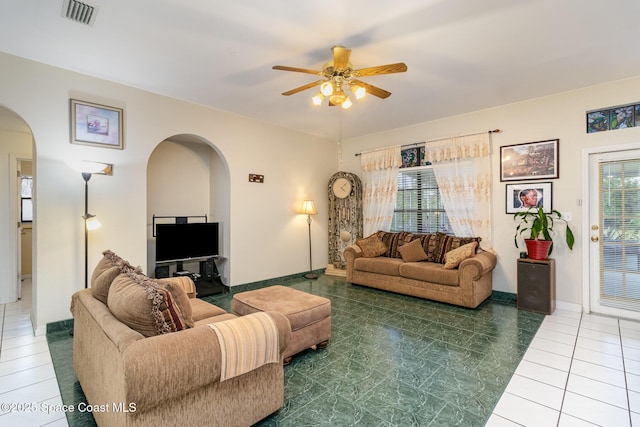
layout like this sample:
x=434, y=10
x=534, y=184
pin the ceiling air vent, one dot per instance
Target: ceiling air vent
x=80, y=12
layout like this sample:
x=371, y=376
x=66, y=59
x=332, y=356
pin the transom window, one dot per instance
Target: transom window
x=419, y=207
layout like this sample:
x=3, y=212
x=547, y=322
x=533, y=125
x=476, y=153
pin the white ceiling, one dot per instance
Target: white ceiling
x=462, y=55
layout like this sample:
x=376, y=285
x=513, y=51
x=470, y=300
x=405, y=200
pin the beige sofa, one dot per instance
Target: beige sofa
x=169, y=378
x=467, y=284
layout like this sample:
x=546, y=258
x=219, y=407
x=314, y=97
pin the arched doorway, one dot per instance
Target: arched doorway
x=16, y=256
x=187, y=175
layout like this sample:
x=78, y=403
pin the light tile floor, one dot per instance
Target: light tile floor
x=29, y=393
x=580, y=370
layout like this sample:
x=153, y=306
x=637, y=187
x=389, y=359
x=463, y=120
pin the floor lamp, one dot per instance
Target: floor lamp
x=308, y=209
x=90, y=223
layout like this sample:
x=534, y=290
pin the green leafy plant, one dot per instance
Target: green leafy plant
x=539, y=225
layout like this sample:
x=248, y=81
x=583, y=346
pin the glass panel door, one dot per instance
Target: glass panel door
x=615, y=233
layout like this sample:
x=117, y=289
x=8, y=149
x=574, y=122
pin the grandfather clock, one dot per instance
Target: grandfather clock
x=345, y=218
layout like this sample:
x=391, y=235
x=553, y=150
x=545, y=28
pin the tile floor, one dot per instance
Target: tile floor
x=26, y=370
x=579, y=370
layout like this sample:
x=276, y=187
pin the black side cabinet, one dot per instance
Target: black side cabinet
x=209, y=282
x=537, y=285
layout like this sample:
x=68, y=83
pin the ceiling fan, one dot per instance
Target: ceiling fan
x=339, y=73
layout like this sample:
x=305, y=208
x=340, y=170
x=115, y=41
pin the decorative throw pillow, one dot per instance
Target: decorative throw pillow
x=184, y=282
x=101, y=283
x=108, y=268
x=412, y=252
x=371, y=246
x=447, y=243
x=181, y=299
x=454, y=257
x=103, y=265
x=393, y=241
x=144, y=307
x=429, y=243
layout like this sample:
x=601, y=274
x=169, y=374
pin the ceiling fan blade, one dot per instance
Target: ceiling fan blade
x=373, y=90
x=301, y=88
x=399, y=67
x=297, y=70
x=340, y=57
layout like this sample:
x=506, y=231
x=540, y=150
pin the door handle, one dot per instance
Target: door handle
x=594, y=238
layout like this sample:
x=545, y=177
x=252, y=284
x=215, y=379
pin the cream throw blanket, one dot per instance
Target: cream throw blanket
x=246, y=343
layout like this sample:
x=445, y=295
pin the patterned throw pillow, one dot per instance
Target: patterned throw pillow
x=429, y=243
x=412, y=252
x=371, y=246
x=140, y=302
x=453, y=258
x=393, y=241
x=143, y=305
x=446, y=243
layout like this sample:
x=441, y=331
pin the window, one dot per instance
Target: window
x=26, y=198
x=419, y=207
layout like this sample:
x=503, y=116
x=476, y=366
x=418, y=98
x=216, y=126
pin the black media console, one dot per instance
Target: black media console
x=207, y=279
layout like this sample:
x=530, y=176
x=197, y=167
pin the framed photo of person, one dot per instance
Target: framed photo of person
x=523, y=196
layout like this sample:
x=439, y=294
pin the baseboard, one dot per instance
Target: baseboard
x=503, y=296
x=40, y=330
x=283, y=280
x=567, y=306
x=61, y=325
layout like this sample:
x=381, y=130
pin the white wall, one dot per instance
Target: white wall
x=178, y=184
x=268, y=238
x=560, y=116
x=12, y=147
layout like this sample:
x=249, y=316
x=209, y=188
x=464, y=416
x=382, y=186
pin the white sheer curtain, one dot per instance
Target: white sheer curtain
x=462, y=166
x=380, y=187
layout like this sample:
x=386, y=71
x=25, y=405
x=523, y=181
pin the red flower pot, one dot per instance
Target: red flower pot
x=538, y=249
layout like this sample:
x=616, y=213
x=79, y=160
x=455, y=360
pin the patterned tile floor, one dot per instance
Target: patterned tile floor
x=392, y=361
x=396, y=360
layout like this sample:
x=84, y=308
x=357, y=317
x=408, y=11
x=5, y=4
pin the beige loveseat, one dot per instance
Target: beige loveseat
x=164, y=368
x=464, y=280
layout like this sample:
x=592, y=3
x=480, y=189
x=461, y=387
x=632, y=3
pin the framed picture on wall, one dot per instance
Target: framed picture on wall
x=523, y=196
x=97, y=125
x=532, y=160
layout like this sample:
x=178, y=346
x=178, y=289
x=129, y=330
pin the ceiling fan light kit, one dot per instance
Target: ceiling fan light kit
x=339, y=73
x=317, y=99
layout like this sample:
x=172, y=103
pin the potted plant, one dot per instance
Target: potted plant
x=539, y=227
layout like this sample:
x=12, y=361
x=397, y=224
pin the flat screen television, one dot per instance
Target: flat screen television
x=180, y=242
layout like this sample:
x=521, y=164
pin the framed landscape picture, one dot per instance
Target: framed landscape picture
x=98, y=125
x=532, y=160
x=523, y=196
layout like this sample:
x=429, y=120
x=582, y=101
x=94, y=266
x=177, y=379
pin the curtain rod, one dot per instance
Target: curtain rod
x=432, y=140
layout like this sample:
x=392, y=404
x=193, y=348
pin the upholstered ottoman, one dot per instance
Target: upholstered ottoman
x=309, y=315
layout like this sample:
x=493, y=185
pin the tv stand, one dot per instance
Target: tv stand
x=208, y=280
